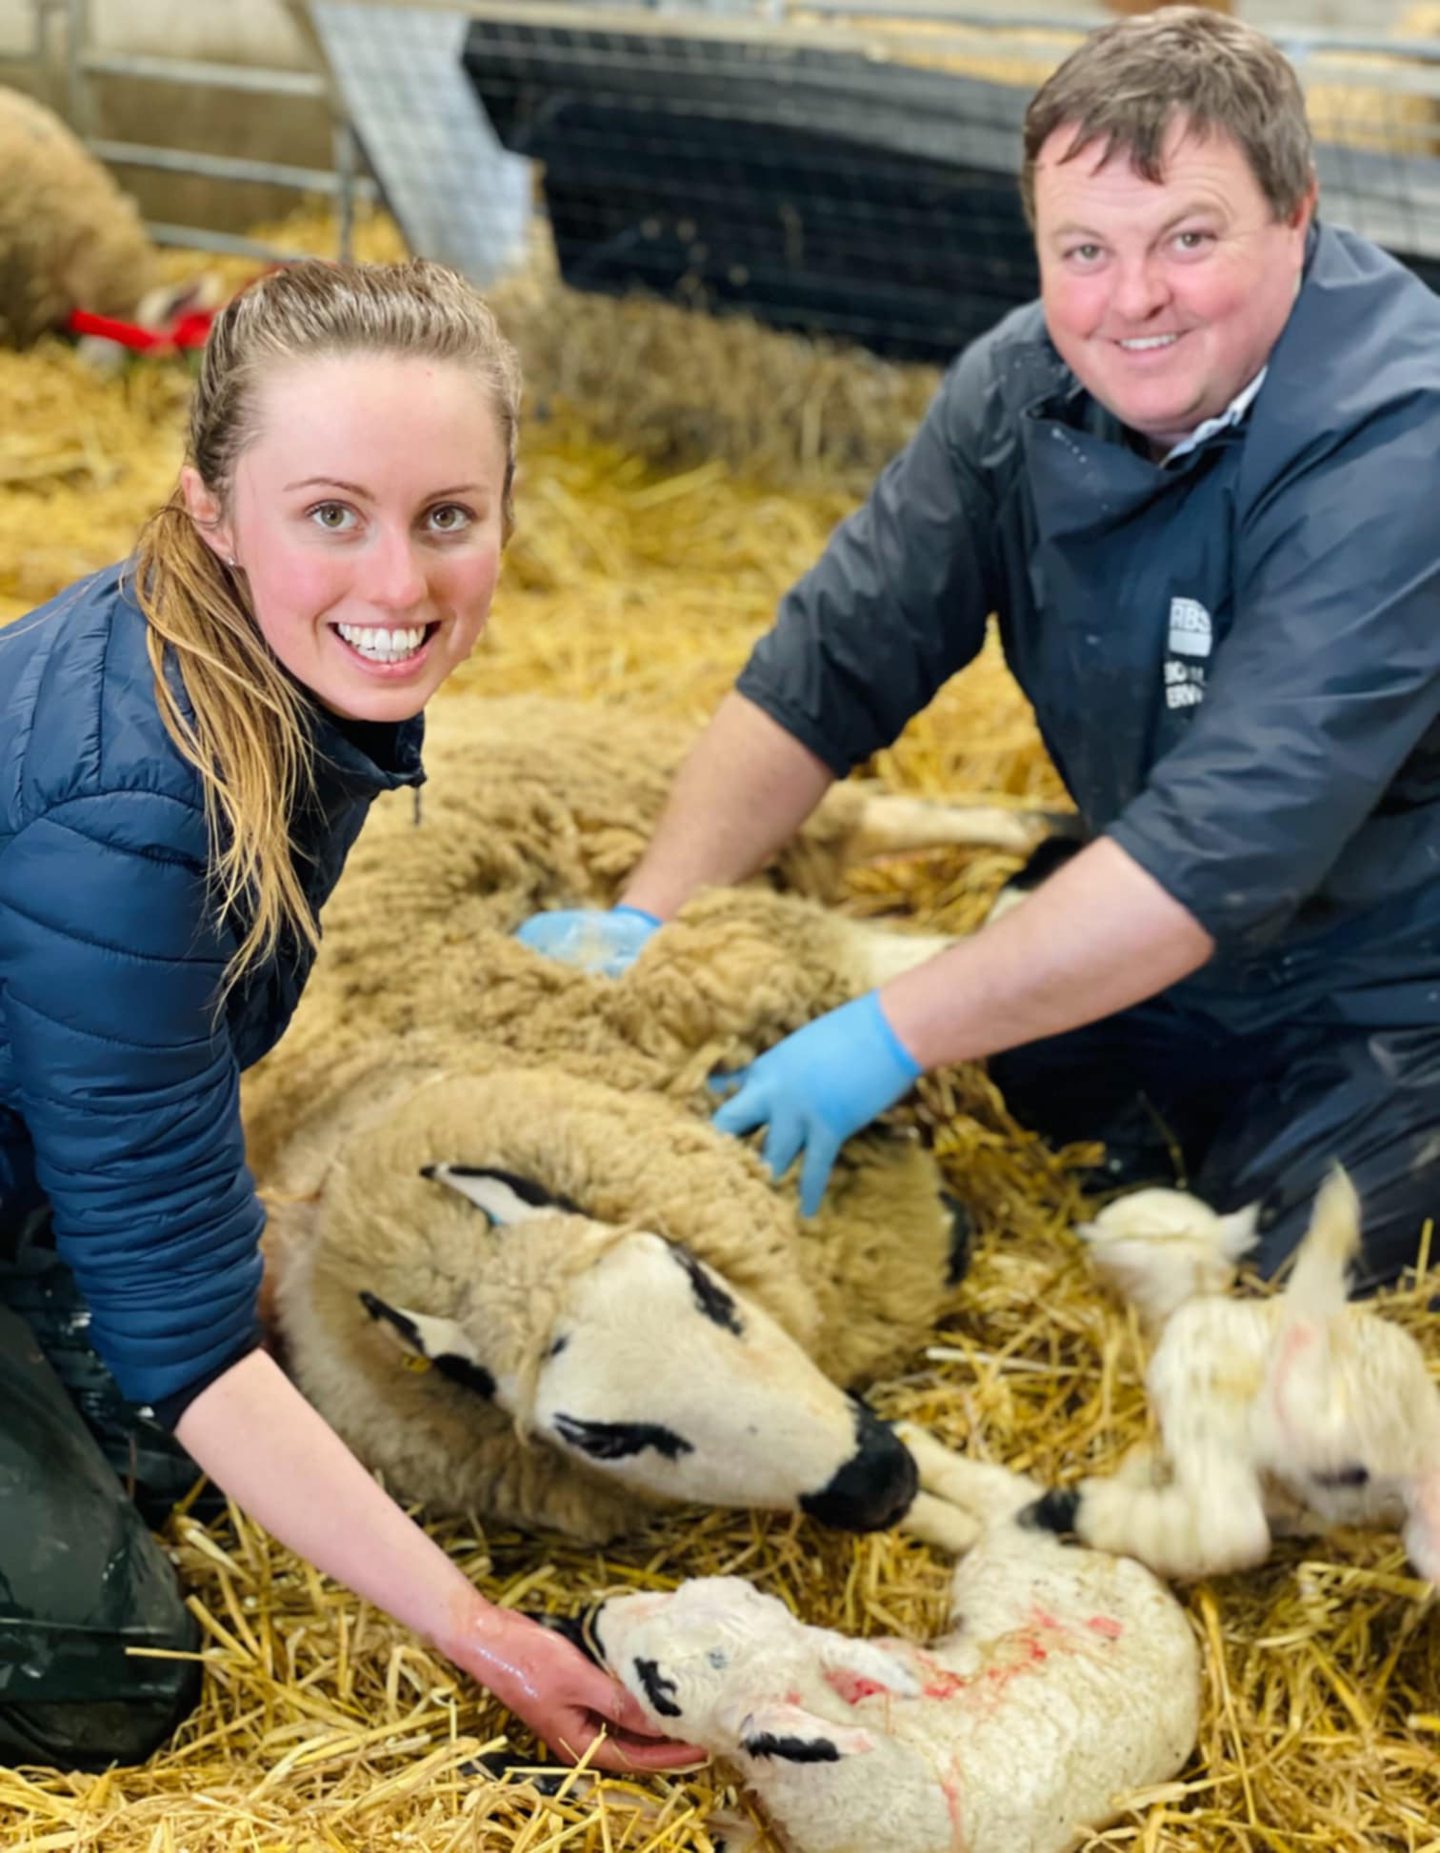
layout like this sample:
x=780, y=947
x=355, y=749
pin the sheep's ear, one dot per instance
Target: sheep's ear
x=502, y=1197
x=784, y=1733
x=1238, y=1231
x=856, y=1668
x=427, y=1340
x=1319, y=1286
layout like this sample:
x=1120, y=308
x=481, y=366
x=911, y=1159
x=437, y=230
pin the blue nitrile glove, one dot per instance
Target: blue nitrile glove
x=599, y=940
x=817, y=1087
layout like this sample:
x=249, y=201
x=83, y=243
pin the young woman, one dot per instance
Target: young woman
x=189, y=744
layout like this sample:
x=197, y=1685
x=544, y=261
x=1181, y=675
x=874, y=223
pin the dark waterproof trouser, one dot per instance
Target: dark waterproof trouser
x=81, y=1578
x=1239, y=1120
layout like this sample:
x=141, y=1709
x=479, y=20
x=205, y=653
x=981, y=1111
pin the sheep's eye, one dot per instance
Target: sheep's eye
x=1356, y=1475
x=718, y=1658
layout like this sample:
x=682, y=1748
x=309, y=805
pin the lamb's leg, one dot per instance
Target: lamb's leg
x=936, y=1521
x=1208, y=1520
x=891, y=824
x=981, y=1491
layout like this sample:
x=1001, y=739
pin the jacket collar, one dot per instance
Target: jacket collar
x=368, y=757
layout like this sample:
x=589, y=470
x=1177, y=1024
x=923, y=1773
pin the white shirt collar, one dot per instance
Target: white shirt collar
x=1232, y=415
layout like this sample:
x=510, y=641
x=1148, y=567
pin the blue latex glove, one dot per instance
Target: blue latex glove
x=599, y=940
x=817, y=1087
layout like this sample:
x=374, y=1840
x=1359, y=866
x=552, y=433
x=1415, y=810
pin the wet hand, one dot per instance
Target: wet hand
x=563, y=1697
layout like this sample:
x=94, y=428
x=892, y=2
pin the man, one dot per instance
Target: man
x=1196, y=483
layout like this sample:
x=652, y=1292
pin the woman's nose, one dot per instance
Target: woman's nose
x=395, y=577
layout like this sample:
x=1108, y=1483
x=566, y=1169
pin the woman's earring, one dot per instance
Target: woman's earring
x=230, y=560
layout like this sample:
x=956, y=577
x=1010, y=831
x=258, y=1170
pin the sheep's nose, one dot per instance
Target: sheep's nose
x=877, y=1485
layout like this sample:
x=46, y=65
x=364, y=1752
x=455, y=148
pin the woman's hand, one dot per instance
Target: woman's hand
x=258, y=1439
x=561, y=1695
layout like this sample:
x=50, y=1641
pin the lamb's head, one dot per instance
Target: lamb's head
x=646, y=1366
x=1159, y=1248
x=720, y=1664
x=1355, y=1412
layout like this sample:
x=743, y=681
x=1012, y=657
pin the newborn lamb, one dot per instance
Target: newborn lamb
x=1068, y=1678
x=1296, y=1413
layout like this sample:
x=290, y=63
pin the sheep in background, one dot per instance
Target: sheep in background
x=1294, y=1413
x=1069, y=1677
x=69, y=238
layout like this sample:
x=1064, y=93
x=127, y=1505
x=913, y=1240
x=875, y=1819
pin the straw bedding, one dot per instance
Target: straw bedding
x=660, y=517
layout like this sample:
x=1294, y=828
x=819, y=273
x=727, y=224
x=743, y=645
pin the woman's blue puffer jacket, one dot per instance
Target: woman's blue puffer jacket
x=119, y=1085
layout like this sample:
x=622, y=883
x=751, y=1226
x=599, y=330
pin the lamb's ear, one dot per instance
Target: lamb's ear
x=428, y=1340
x=783, y=1733
x=503, y=1197
x=1238, y=1231
x=1319, y=1286
x=851, y=1667
x=1422, y=1529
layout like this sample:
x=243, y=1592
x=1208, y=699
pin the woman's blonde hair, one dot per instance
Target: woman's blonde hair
x=242, y=722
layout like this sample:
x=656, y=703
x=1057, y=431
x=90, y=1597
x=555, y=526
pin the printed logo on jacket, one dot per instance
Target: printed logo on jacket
x=1191, y=637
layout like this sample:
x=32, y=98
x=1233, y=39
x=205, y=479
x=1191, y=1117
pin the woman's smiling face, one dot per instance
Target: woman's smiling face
x=366, y=516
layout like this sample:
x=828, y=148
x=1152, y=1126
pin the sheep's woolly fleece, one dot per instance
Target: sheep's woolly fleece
x=430, y=1035
x=69, y=238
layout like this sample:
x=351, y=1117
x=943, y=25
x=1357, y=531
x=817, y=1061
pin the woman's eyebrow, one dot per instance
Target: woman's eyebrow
x=331, y=482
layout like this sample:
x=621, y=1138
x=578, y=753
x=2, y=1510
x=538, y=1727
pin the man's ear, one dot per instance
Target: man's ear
x=1304, y=210
x=203, y=507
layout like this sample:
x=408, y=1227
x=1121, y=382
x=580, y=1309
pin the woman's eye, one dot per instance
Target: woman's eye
x=449, y=518
x=1083, y=253
x=334, y=517
x=1192, y=241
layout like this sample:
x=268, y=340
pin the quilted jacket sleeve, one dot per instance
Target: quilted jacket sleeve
x=899, y=599
x=128, y=1083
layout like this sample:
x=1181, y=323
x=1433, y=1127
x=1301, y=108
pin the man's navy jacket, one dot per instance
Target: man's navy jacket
x=1234, y=660
x=119, y=1083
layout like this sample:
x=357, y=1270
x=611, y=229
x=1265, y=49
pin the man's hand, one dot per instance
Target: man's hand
x=819, y=1086
x=596, y=939
x=565, y=1699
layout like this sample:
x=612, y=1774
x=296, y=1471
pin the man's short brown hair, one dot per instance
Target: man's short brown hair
x=1130, y=81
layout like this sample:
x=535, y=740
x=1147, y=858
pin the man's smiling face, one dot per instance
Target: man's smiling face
x=1163, y=298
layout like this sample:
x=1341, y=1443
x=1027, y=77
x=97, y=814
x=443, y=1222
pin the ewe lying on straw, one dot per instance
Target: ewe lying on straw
x=1069, y=1677
x=1292, y=1414
x=69, y=238
x=431, y=1043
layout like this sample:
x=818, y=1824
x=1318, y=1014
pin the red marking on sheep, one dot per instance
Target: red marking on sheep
x=852, y=1687
x=1106, y=1625
x=1295, y=1343
x=950, y=1788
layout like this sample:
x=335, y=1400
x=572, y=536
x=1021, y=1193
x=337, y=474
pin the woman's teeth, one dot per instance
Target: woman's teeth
x=378, y=645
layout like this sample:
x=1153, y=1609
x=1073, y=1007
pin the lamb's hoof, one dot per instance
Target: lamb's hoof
x=1054, y=1511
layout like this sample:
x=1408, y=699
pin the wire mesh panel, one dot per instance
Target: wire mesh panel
x=819, y=188
x=456, y=194
x=849, y=168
